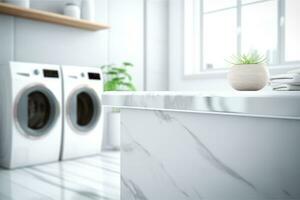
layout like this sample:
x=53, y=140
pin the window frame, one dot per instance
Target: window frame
x=200, y=72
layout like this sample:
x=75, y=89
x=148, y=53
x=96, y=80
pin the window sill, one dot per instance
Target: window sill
x=279, y=69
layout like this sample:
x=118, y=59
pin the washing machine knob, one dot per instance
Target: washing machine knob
x=36, y=72
x=82, y=75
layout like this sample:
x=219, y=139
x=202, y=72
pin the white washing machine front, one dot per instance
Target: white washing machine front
x=83, y=124
x=31, y=101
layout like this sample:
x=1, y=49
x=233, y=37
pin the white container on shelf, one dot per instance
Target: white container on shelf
x=72, y=10
x=88, y=10
x=21, y=3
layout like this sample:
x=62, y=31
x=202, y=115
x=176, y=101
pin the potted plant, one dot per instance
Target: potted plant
x=249, y=72
x=117, y=79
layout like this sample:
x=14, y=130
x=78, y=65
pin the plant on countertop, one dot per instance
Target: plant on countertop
x=249, y=72
x=118, y=78
x=252, y=57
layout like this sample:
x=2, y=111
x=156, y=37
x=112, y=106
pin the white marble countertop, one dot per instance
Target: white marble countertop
x=265, y=103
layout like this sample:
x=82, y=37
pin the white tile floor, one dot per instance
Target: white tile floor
x=90, y=178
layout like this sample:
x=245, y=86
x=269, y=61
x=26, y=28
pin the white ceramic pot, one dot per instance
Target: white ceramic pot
x=88, y=10
x=21, y=3
x=251, y=77
x=72, y=10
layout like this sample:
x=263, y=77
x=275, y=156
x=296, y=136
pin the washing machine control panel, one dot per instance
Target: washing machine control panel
x=50, y=73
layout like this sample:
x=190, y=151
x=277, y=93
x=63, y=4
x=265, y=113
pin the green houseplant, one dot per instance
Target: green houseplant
x=249, y=72
x=118, y=77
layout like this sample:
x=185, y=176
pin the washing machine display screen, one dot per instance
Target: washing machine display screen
x=94, y=76
x=85, y=109
x=38, y=110
x=50, y=73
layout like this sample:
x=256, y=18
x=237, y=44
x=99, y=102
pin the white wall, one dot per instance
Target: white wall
x=126, y=36
x=156, y=46
x=33, y=41
x=176, y=78
x=6, y=38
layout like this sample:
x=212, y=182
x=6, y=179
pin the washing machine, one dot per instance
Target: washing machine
x=83, y=122
x=30, y=114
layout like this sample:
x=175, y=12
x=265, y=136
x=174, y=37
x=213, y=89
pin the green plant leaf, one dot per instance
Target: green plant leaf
x=130, y=86
x=127, y=64
x=128, y=76
x=110, y=86
x=111, y=73
x=119, y=70
x=251, y=58
x=117, y=77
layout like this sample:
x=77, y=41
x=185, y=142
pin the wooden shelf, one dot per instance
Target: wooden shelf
x=50, y=17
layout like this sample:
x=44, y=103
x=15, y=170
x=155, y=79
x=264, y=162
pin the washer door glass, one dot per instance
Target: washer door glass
x=36, y=111
x=84, y=109
x=39, y=109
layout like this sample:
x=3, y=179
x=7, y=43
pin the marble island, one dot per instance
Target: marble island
x=225, y=146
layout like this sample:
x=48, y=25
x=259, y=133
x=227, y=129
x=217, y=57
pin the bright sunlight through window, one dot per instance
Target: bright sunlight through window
x=216, y=29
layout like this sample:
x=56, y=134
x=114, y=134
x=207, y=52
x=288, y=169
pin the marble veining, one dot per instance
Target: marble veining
x=204, y=151
x=90, y=178
x=195, y=156
x=129, y=184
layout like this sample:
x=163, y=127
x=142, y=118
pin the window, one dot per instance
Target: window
x=216, y=29
x=292, y=30
x=219, y=30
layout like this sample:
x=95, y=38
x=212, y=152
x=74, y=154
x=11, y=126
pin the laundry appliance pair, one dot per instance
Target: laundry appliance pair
x=48, y=113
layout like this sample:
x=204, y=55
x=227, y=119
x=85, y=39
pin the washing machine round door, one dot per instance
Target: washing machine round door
x=83, y=109
x=36, y=111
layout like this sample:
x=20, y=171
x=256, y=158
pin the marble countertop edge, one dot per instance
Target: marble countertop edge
x=271, y=104
x=206, y=112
